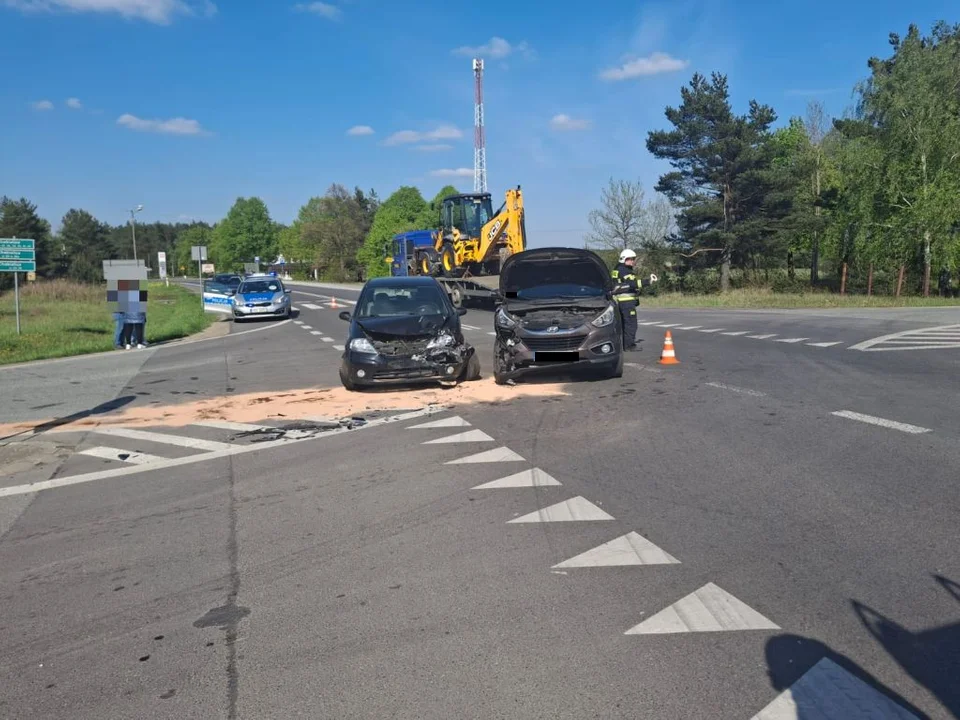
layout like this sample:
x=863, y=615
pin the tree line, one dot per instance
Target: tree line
x=340, y=236
x=876, y=188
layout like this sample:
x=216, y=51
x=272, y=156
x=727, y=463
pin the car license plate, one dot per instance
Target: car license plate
x=260, y=309
x=545, y=356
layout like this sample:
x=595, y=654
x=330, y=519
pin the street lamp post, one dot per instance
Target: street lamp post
x=133, y=225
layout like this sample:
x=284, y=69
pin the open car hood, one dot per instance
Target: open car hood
x=407, y=326
x=557, y=265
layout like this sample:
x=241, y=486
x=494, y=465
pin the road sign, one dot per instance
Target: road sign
x=18, y=266
x=162, y=263
x=198, y=253
x=16, y=254
x=17, y=244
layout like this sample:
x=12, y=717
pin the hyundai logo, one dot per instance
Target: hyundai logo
x=553, y=329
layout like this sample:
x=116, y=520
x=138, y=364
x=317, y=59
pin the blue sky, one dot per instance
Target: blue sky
x=184, y=105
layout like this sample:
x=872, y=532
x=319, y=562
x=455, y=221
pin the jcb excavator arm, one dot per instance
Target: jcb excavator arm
x=506, y=230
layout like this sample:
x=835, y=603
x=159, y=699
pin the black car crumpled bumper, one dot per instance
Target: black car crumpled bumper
x=519, y=353
x=447, y=363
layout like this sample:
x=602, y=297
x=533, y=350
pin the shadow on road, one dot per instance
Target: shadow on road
x=790, y=657
x=931, y=657
x=100, y=409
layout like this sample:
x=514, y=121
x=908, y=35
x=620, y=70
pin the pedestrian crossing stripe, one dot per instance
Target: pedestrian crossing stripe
x=709, y=609
x=455, y=421
x=828, y=692
x=469, y=436
x=500, y=454
x=629, y=549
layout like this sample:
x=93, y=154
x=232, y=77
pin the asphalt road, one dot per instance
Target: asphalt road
x=778, y=513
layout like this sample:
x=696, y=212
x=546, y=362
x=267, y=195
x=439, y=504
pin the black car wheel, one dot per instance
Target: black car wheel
x=500, y=376
x=472, y=371
x=348, y=383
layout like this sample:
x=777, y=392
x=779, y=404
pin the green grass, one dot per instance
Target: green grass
x=60, y=319
x=767, y=299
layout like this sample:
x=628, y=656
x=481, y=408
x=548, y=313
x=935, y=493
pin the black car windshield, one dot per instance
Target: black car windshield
x=400, y=301
x=259, y=286
x=559, y=290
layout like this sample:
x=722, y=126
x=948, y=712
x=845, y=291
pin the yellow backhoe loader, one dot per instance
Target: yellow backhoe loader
x=472, y=239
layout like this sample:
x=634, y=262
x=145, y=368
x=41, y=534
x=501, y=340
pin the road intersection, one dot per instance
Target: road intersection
x=767, y=530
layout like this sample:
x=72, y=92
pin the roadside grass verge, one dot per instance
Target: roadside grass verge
x=767, y=299
x=61, y=319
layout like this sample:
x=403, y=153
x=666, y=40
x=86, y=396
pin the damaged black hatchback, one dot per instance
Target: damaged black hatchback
x=556, y=312
x=403, y=330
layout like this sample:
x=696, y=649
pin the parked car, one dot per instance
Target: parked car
x=556, y=312
x=261, y=297
x=405, y=329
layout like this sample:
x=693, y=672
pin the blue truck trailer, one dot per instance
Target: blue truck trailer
x=407, y=252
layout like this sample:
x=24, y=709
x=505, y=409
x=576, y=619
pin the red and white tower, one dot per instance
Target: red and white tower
x=479, y=137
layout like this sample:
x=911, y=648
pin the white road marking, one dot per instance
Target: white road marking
x=326, y=297
x=629, y=549
x=470, y=327
x=891, y=424
x=338, y=347
x=761, y=337
x=203, y=457
x=712, y=330
x=327, y=339
x=669, y=325
x=709, y=609
x=792, y=340
x=155, y=437
x=316, y=332
x=652, y=322
x=737, y=332
x=576, y=509
x=468, y=436
x=492, y=333
x=525, y=478
x=949, y=335
x=311, y=306
x=824, y=344
x=828, y=692
x=455, y=421
x=234, y=426
x=307, y=327
x=109, y=453
x=691, y=327
x=500, y=454
x=298, y=322
x=732, y=388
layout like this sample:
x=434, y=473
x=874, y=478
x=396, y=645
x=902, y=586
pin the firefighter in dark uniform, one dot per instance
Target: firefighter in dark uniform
x=628, y=300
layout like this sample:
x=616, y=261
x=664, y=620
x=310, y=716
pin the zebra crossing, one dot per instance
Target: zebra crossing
x=930, y=338
x=824, y=692
x=746, y=334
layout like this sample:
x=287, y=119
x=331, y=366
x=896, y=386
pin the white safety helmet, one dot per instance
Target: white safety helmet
x=627, y=254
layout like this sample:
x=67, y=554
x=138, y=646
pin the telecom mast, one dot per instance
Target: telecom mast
x=479, y=137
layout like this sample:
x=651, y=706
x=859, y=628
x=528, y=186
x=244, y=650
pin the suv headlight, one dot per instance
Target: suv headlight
x=605, y=318
x=441, y=341
x=503, y=320
x=363, y=345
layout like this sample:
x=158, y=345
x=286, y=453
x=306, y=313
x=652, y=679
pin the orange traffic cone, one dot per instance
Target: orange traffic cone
x=333, y=304
x=668, y=357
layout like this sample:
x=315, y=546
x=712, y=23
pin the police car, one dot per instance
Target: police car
x=261, y=295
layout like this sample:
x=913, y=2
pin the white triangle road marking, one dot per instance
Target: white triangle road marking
x=469, y=436
x=709, y=609
x=155, y=437
x=825, y=344
x=500, y=454
x=692, y=327
x=711, y=330
x=761, y=337
x=792, y=340
x=629, y=549
x=455, y=421
x=338, y=347
x=111, y=453
x=828, y=692
x=574, y=510
x=525, y=478
x=737, y=332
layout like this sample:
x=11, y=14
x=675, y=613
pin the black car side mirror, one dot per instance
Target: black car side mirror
x=345, y=315
x=461, y=311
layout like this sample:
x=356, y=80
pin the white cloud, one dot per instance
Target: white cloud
x=331, y=12
x=654, y=64
x=443, y=132
x=360, y=130
x=496, y=49
x=42, y=105
x=457, y=172
x=160, y=12
x=74, y=104
x=174, y=126
x=565, y=122
x=436, y=147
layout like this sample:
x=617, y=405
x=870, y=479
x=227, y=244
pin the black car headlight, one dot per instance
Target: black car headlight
x=362, y=345
x=441, y=341
x=503, y=320
x=605, y=318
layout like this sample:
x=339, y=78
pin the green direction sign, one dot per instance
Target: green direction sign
x=16, y=244
x=17, y=255
x=18, y=266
